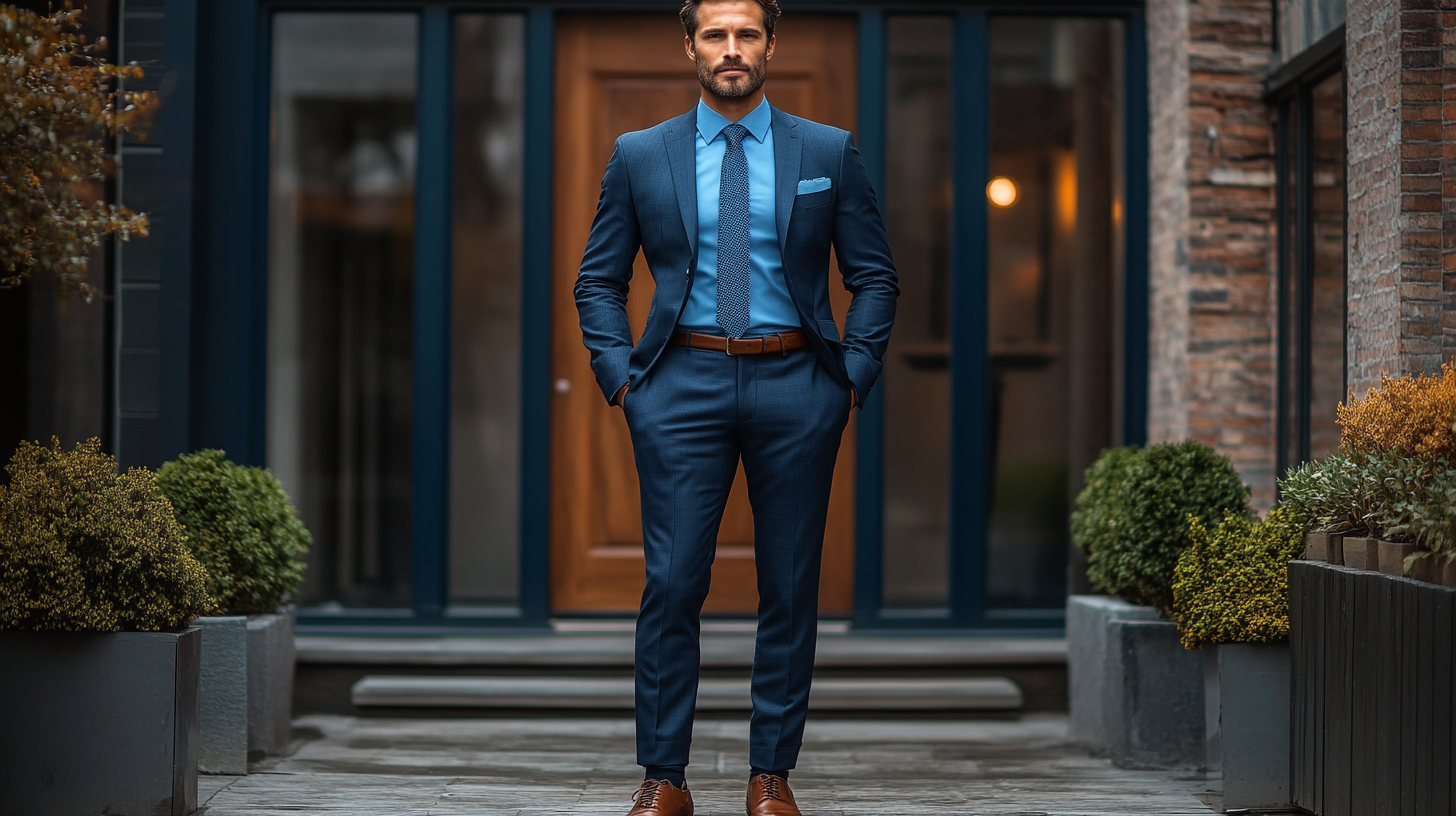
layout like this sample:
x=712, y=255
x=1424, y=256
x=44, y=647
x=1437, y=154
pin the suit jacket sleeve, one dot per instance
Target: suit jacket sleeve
x=605, y=275
x=863, y=252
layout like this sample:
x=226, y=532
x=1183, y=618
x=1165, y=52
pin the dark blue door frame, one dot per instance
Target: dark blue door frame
x=227, y=111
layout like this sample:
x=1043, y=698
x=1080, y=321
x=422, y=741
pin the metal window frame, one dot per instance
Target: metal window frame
x=225, y=346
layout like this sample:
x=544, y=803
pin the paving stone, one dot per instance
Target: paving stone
x=848, y=767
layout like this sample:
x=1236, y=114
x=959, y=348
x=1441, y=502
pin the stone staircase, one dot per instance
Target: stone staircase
x=587, y=667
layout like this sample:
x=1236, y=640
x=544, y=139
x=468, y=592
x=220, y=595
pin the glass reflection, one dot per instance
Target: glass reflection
x=340, y=255
x=1327, y=264
x=916, y=378
x=485, y=362
x=1053, y=283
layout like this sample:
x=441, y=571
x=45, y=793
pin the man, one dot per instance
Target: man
x=735, y=205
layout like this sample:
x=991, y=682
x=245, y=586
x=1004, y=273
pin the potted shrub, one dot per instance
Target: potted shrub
x=243, y=528
x=1321, y=495
x=1372, y=654
x=1428, y=517
x=1404, y=433
x=1135, y=693
x=1231, y=594
x=99, y=689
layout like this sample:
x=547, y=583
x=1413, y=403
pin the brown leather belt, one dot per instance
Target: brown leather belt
x=781, y=343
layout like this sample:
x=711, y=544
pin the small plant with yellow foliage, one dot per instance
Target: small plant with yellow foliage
x=1232, y=583
x=86, y=549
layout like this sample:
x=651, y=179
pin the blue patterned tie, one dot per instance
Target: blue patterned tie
x=733, y=235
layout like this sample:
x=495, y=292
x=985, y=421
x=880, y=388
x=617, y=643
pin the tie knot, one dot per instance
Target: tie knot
x=734, y=133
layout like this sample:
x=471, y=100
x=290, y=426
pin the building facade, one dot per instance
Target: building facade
x=1115, y=222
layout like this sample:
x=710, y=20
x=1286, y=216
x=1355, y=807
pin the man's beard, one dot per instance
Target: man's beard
x=728, y=88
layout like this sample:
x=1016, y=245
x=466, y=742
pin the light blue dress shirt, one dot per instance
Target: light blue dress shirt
x=769, y=307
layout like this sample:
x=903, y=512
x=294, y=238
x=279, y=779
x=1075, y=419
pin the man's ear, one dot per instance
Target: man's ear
x=688, y=47
x=769, y=54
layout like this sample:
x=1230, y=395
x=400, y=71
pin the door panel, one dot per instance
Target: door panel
x=618, y=73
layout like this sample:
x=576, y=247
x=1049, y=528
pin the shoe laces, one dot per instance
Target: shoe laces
x=772, y=786
x=646, y=796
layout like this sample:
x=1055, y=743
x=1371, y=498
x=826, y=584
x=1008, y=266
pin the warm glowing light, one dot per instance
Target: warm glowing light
x=1066, y=185
x=1001, y=191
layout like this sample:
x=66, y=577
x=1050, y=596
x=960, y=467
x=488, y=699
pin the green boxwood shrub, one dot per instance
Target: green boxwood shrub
x=85, y=549
x=1376, y=494
x=1131, y=520
x=1232, y=583
x=241, y=525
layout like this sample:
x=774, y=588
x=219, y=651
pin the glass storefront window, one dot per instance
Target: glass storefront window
x=485, y=384
x=1327, y=264
x=1312, y=269
x=916, y=377
x=1054, y=289
x=340, y=294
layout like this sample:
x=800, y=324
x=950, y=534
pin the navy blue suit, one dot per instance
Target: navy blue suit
x=694, y=414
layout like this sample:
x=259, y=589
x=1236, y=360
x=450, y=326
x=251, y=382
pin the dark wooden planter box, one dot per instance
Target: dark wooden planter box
x=1371, y=680
x=99, y=723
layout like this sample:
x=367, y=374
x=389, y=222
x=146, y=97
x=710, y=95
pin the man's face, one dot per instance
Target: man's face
x=731, y=49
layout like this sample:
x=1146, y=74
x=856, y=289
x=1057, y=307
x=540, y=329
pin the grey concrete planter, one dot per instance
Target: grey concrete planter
x=270, y=682
x=223, y=696
x=1246, y=698
x=99, y=723
x=1089, y=659
x=1135, y=693
x=247, y=689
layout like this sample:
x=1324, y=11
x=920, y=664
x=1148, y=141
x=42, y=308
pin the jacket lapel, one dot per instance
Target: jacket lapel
x=683, y=163
x=788, y=149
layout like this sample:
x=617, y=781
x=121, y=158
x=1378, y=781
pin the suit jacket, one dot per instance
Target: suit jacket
x=649, y=200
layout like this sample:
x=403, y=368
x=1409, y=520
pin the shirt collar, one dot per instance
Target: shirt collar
x=711, y=122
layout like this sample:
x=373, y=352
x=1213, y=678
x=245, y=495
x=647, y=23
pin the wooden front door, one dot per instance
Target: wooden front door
x=618, y=73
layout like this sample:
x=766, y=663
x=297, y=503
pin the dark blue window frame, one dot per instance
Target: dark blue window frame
x=216, y=397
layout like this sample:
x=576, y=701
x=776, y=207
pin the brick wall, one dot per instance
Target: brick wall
x=1212, y=231
x=1401, y=64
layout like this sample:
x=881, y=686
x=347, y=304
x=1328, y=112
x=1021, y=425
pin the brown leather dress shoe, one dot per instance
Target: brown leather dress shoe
x=659, y=798
x=769, y=795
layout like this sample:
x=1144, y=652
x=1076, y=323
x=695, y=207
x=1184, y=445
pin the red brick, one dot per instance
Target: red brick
x=1420, y=113
x=1421, y=131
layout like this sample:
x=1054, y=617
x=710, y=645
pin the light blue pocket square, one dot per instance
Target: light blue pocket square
x=808, y=186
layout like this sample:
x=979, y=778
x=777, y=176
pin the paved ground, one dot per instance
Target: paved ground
x=443, y=767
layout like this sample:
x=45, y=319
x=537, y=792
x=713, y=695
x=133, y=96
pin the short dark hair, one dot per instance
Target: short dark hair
x=689, y=16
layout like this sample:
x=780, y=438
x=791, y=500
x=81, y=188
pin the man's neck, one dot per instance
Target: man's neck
x=732, y=108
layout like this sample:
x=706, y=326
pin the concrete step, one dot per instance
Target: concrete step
x=829, y=694
x=720, y=650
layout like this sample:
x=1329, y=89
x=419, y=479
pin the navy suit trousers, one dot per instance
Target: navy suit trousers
x=691, y=421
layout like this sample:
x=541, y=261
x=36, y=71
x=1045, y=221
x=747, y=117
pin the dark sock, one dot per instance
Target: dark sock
x=754, y=770
x=668, y=773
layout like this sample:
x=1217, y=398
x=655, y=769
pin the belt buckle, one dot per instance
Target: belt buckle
x=728, y=346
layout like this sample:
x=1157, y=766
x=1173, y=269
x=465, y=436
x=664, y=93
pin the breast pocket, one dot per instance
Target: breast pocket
x=809, y=201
